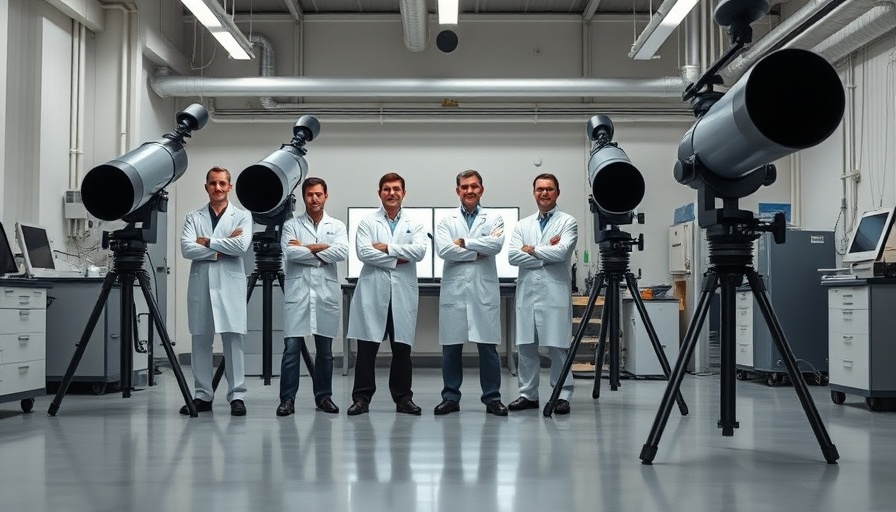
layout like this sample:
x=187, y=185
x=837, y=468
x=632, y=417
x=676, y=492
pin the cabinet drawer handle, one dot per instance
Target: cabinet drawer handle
x=115, y=336
x=24, y=299
x=24, y=337
x=847, y=338
x=24, y=312
x=8, y=291
x=24, y=368
x=847, y=363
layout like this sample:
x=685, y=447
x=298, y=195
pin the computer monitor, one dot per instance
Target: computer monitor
x=35, y=245
x=7, y=258
x=506, y=271
x=870, y=236
x=418, y=214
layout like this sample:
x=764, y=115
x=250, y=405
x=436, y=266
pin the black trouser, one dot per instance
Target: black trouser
x=399, y=371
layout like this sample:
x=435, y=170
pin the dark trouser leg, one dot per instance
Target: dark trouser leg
x=289, y=368
x=323, y=367
x=365, y=382
x=400, y=370
x=452, y=371
x=489, y=372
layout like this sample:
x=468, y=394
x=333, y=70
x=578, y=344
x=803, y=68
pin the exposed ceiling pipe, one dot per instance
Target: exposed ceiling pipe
x=415, y=24
x=832, y=23
x=805, y=17
x=667, y=87
x=265, y=65
x=871, y=25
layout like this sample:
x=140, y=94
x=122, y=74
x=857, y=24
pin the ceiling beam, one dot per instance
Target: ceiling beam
x=590, y=9
x=295, y=9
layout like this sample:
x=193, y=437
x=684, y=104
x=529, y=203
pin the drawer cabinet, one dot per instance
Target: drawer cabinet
x=23, y=342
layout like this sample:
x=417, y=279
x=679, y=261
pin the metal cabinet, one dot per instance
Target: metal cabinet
x=861, y=326
x=23, y=322
x=640, y=358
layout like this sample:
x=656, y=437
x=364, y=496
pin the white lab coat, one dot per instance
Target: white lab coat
x=544, y=287
x=469, y=299
x=217, y=275
x=382, y=279
x=311, y=289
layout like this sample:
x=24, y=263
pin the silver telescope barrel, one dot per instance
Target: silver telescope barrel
x=118, y=187
x=617, y=186
x=264, y=186
x=790, y=100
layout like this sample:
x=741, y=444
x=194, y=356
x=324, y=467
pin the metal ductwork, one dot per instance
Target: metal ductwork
x=668, y=87
x=840, y=17
x=414, y=21
x=873, y=24
x=804, y=19
x=265, y=65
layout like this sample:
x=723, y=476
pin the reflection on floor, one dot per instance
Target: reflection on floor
x=107, y=453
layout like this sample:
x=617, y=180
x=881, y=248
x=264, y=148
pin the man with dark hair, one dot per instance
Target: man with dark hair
x=469, y=300
x=389, y=244
x=312, y=245
x=542, y=245
x=215, y=238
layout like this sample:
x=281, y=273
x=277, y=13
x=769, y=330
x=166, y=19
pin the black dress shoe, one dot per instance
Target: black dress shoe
x=446, y=407
x=286, y=408
x=237, y=408
x=496, y=407
x=200, y=404
x=326, y=405
x=407, y=406
x=562, y=406
x=522, y=403
x=359, y=407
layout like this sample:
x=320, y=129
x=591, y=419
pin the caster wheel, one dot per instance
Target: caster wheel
x=838, y=397
x=98, y=388
x=875, y=404
x=740, y=375
x=774, y=380
x=27, y=404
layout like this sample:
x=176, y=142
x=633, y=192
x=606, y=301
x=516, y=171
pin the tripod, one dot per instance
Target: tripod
x=268, y=266
x=730, y=233
x=128, y=249
x=615, y=246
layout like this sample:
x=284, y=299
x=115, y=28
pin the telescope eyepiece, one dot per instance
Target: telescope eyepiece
x=306, y=129
x=193, y=117
x=600, y=128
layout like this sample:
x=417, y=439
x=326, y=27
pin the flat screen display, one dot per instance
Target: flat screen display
x=35, y=246
x=7, y=258
x=421, y=215
x=506, y=271
x=869, y=236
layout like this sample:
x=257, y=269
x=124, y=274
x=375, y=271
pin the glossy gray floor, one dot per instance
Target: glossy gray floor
x=106, y=453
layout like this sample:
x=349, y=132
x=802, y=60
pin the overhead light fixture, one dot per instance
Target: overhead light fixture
x=448, y=12
x=212, y=16
x=669, y=15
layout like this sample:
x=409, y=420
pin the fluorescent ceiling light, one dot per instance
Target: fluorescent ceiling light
x=212, y=16
x=448, y=12
x=669, y=15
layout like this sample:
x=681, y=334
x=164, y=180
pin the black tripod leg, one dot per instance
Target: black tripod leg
x=654, y=339
x=599, y=352
x=727, y=345
x=802, y=391
x=108, y=282
x=126, y=357
x=145, y=287
x=648, y=451
x=267, y=335
x=573, y=347
x=614, y=302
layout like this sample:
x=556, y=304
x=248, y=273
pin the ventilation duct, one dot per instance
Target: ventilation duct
x=804, y=19
x=265, y=65
x=166, y=85
x=414, y=23
x=873, y=24
x=832, y=23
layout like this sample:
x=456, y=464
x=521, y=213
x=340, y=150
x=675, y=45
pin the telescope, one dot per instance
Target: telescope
x=617, y=186
x=117, y=188
x=266, y=188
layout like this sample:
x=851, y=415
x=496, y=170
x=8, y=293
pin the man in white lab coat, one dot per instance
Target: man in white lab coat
x=385, y=299
x=469, y=300
x=215, y=238
x=312, y=244
x=542, y=245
